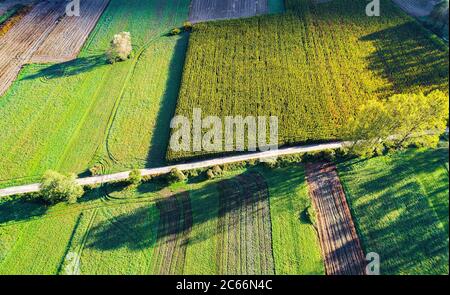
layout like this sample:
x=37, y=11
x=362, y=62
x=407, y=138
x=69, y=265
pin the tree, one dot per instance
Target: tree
x=175, y=31
x=57, y=188
x=401, y=121
x=368, y=128
x=175, y=176
x=120, y=47
x=210, y=174
x=187, y=26
x=418, y=118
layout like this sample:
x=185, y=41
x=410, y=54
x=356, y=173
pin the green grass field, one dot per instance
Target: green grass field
x=72, y=116
x=158, y=230
x=400, y=206
x=311, y=67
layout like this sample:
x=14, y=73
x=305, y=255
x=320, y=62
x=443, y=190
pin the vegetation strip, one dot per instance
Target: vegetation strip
x=245, y=244
x=341, y=247
x=173, y=234
x=183, y=167
x=399, y=204
x=60, y=112
x=312, y=67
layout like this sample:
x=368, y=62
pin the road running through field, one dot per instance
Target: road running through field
x=341, y=248
x=31, y=188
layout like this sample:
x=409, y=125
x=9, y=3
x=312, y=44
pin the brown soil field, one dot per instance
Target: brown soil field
x=206, y=10
x=25, y=37
x=68, y=37
x=341, y=248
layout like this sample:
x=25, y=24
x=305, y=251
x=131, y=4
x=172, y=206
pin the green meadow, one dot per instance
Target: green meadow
x=117, y=230
x=75, y=115
x=400, y=207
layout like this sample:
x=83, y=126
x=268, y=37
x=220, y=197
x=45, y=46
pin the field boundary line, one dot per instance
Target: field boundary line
x=35, y=187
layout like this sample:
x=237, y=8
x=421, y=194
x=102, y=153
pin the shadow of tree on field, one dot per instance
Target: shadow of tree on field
x=406, y=57
x=160, y=139
x=19, y=209
x=398, y=221
x=132, y=230
x=70, y=68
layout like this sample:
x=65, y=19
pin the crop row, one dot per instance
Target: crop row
x=311, y=67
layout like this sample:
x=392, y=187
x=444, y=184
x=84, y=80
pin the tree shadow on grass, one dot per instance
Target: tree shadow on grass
x=408, y=57
x=131, y=230
x=17, y=209
x=398, y=221
x=70, y=68
x=160, y=139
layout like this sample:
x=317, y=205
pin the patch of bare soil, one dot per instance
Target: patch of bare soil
x=207, y=10
x=66, y=40
x=341, y=248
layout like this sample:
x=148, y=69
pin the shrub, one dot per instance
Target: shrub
x=311, y=214
x=175, y=176
x=187, y=26
x=91, y=187
x=217, y=170
x=193, y=173
x=271, y=164
x=328, y=155
x=57, y=188
x=120, y=47
x=210, y=174
x=135, y=177
x=175, y=31
x=147, y=178
x=234, y=166
x=96, y=170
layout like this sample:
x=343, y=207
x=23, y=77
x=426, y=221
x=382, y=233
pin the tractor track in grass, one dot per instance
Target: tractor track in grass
x=244, y=231
x=79, y=249
x=168, y=20
x=174, y=228
x=341, y=248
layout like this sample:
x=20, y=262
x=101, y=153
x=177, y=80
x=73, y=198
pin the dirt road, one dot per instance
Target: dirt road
x=183, y=167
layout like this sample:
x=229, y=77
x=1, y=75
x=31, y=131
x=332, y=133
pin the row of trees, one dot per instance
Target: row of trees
x=401, y=121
